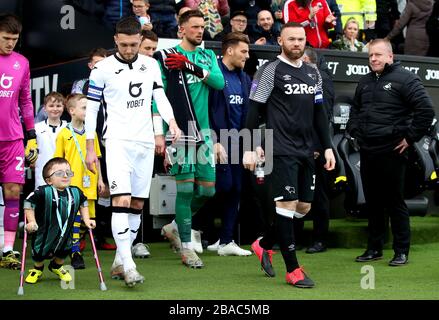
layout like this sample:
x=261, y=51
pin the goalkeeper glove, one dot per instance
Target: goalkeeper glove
x=31, y=151
x=177, y=61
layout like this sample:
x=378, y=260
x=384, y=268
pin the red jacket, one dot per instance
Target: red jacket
x=316, y=29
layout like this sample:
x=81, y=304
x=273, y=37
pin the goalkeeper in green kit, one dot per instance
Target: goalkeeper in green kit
x=188, y=71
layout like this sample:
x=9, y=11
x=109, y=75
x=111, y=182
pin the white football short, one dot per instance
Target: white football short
x=129, y=167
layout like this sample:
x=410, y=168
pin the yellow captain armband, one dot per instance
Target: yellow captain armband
x=340, y=178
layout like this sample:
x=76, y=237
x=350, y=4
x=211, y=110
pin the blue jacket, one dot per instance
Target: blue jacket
x=219, y=106
x=228, y=176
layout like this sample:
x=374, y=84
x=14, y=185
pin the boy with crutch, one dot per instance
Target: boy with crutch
x=50, y=212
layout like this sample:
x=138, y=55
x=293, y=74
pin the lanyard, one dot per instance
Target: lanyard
x=78, y=147
x=58, y=215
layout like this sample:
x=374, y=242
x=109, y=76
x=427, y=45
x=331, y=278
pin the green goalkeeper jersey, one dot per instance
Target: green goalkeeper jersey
x=199, y=89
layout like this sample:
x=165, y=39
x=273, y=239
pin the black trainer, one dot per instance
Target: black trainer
x=399, y=259
x=265, y=257
x=316, y=248
x=77, y=261
x=299, y=278
x=370, y=255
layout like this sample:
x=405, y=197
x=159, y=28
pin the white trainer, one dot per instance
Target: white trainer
x=116, y=272
x=214, y=247
x=196, y=241
x=232, y=249
x=140, y=250
x=190, y=259
x=170, y=233
x=132, y=277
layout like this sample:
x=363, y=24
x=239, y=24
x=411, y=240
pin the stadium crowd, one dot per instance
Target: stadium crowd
x=104, y=152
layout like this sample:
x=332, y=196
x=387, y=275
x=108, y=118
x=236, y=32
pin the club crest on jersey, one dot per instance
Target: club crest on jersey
x=254, y=86
x=312, y=76
x=388, y=87
x=142, y=68
x=16, y=65
x=286, y=77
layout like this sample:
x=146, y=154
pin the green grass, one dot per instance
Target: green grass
x=336, y=274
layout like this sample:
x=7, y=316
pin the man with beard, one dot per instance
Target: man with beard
x=289, y=92
x=127, y=82
x=187, y=72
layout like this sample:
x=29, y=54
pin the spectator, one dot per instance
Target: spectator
x=163, y=15
x=251, y=7
x=349, y=41
x=391, y=111
x=364, y=11
x=387, y=15
x=314, y=16
x=433, y=30
x=140, y=9
x=212, y=10
x=237, y=23
x=264, y=33
x=337, y=31
x=47, y=131
x=414, y=16
x=114, y=10
x=276, y=8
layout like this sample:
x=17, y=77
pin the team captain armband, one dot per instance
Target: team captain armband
x=318, y=97
x=94, y=93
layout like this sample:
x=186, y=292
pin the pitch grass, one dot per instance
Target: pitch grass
x=336, y=274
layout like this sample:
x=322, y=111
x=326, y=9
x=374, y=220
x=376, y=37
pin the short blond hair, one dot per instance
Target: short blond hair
x=386, y=42
x=72, y=100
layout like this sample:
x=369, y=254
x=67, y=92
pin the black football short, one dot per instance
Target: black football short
x=293, y=178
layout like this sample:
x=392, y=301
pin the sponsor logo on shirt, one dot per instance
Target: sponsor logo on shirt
x=135, y=89
x=286, y=77
x=6, y=83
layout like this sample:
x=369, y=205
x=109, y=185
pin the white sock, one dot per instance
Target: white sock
x=134, y=221
x=187, y=245
x=299, y=215
x=285, y=212
x=121, y=234
x=174, y=224
x=117, y=259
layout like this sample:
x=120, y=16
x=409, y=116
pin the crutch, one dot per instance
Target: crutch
x=23, y=260
x=102, y=285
